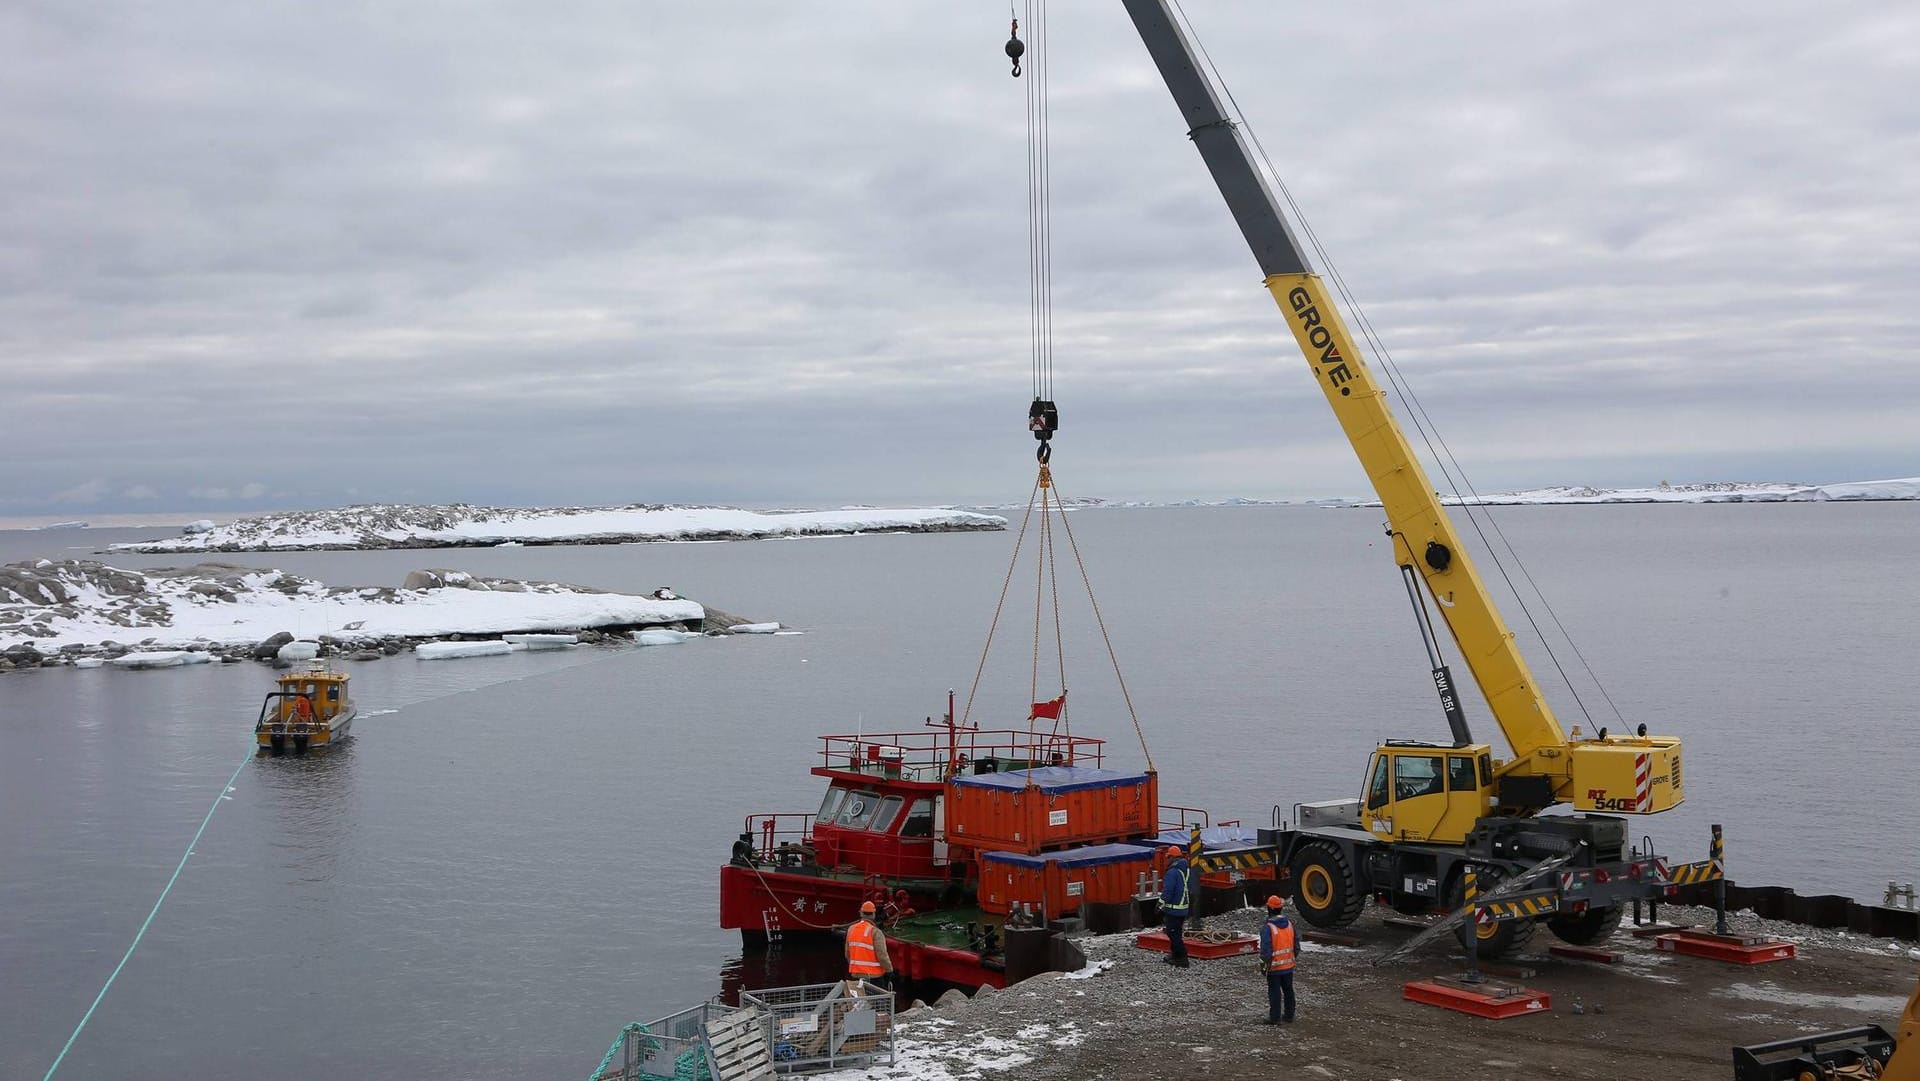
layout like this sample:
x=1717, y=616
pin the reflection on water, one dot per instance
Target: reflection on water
x=815, y=959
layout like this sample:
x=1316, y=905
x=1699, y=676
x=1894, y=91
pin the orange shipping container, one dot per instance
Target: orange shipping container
x=1031, y=810
x=1058, y=883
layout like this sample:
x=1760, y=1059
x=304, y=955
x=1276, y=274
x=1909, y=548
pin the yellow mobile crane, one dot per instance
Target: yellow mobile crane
x=1430, y=810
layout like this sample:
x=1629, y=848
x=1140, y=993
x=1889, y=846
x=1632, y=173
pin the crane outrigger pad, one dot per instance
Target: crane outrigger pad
x=1488, y=998
x=1733, y=949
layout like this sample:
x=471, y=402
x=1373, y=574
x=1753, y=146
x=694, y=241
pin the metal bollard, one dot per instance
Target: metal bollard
x=1719, y=854
x=1473, y=927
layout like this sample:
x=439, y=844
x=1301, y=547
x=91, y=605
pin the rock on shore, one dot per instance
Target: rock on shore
x=55, y=611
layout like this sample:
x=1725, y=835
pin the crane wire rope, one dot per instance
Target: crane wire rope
x=1039, y=200
x=998, y=606
x=1100, y=620
x=1416, y=412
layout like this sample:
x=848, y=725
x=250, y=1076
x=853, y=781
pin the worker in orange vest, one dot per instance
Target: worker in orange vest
x=1279, y=945
x=867, y=950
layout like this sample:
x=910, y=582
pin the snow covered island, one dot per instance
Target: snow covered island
x=1719, y=492
x=459, y=525
x=58, y=610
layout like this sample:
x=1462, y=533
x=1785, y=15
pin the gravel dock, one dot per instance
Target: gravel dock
x=1127, y=1015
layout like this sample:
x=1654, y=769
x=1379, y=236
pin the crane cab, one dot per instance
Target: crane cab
x=1426, y=791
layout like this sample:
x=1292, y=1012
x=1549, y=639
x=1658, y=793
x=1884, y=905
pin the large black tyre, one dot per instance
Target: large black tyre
x=1496, y=939
x=1593, y=925
x=1324, y=889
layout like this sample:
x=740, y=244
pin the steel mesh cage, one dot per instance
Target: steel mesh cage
x=825, y=1025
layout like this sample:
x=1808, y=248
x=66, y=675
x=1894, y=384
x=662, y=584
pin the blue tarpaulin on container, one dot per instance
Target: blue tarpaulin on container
x=1053, y=779
x=1086, y=856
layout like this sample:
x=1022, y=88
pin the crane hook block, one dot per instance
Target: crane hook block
x=1016, y=48
x=1043, y=419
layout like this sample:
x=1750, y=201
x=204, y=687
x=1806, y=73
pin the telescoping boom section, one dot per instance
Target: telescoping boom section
x=1636, y=774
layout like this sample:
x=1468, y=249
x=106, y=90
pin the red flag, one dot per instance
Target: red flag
x=1049, y=710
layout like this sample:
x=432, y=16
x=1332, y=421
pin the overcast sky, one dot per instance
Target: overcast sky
x=299, y=254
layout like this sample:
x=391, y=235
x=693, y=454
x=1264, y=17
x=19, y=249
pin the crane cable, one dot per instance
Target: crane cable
x=1421, y=421
x=1043, y=417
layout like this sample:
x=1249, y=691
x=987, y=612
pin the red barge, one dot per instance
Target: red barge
x=961, y=837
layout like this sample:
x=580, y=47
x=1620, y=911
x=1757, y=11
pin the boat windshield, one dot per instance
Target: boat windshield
x=858, y=810
x=830, y=806
x=889, y=810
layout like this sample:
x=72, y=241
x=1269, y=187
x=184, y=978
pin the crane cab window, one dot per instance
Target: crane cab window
x=1416, y=775
x=830, y=806
x=883, y=818
x=1460, y=776
x=858, y=810
x=1486, y=770
x=1378, y=792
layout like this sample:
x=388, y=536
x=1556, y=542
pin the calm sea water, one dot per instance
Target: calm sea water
x=514, y=856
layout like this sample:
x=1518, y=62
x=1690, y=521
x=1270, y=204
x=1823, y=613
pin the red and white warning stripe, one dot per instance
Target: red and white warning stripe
x=1642, y=782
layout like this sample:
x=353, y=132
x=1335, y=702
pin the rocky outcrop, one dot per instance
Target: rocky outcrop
x=460, y=525
x=56, y=611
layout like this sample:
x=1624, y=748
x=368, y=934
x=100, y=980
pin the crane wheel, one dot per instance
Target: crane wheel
x=1323, y=885
x=1496, y=939
x=1593, y=925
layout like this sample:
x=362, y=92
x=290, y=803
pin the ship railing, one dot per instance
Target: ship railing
x=771, y=832
x=932, y=756
x=1175, y=817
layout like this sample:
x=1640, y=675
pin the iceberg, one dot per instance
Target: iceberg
x=446, y=651
x=541, y=641
x=160, y=658
x=754, y=628
x=296, y=651
x=661, y=636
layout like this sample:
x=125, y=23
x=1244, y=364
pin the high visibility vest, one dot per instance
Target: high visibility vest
x=1186, y=891
x=1280, y=942
x=862, y=958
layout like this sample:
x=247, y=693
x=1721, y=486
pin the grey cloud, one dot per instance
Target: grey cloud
x=725, y=252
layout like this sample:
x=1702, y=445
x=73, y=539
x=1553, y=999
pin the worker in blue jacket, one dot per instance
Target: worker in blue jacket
x=1279, y=947
x=1176, y=900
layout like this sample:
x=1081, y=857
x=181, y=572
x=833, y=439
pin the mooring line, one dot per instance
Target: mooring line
x=138, y=935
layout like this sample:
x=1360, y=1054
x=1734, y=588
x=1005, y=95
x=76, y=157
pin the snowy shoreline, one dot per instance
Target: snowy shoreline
x=462, y=525
x=1903, y=488
x=60, y=611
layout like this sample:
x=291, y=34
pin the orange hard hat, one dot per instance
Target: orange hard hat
x=866, y=908
x=1174, y=852
x=1274, y=902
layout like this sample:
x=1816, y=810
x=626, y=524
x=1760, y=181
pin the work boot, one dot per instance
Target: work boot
x=1180, y=962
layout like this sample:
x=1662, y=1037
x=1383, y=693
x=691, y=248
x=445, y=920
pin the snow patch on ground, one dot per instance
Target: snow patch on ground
x=1767, y=992
x=1090, y=971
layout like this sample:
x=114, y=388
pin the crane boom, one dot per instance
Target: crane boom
x=1423, y=535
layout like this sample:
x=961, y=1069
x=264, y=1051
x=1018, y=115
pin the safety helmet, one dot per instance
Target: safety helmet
x=1274, y=903
x=866, y=908
x=1174, y=852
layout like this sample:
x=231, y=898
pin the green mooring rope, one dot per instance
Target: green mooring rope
x=224, y=789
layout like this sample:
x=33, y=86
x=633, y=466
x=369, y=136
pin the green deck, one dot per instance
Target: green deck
x=946, y=927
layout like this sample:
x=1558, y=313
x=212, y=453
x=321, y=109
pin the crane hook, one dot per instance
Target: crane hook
x=1015, y=48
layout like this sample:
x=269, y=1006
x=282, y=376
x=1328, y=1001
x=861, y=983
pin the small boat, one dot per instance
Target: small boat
x=309, y=708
